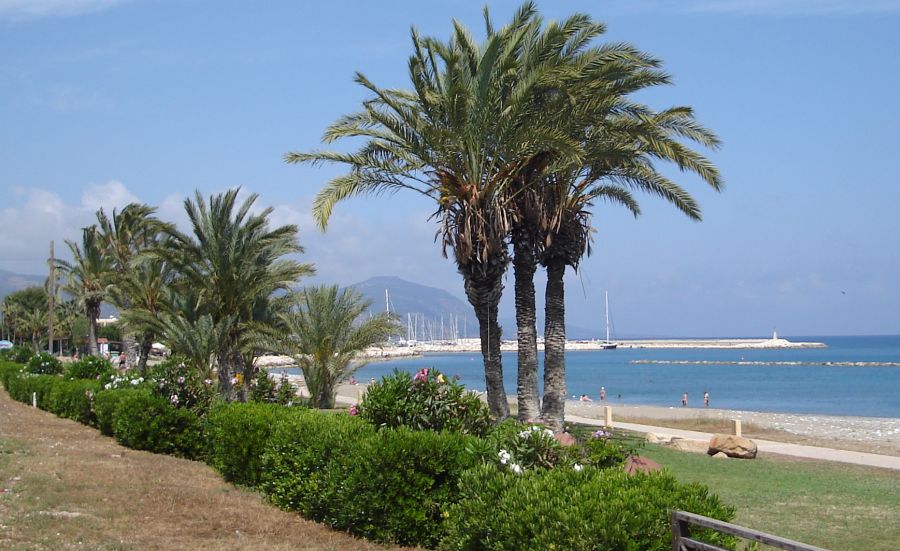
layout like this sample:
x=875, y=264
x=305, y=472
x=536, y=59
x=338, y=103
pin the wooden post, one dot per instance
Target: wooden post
x=34, y=399
x=51, y=298
x=736, y=427
x=607, y=416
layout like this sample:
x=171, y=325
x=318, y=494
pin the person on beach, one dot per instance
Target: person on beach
x=585, y=398
x=602, y=393
x=684, y=399
x=706, y=398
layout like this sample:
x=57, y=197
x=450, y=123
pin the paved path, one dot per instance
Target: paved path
x=763, y=446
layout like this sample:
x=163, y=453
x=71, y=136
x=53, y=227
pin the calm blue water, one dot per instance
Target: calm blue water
x=864, y=391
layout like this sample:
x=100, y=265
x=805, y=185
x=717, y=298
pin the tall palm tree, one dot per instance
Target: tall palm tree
x=237, y=263
x=324, y=333
x=621, y=150
x=86, y=278
x=34, y=323
x=124, y=236
x=147, y=290
x=478, y=117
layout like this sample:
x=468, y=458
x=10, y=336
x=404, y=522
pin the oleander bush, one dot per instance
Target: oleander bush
x=73, y=400
x=90, y=367
x=574, y=510
x=182, y=387
x=427, y=400
x=237, y=435
x=301, y=453
x=144, y=421
x=395, y=485
x=44, y=364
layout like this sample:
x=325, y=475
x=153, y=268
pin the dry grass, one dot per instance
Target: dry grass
x=65, y=486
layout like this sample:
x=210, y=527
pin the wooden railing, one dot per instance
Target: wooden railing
x=682, y=541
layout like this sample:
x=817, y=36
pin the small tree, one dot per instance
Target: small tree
x=324, y=335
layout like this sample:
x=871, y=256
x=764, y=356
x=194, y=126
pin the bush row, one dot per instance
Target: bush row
x=410, y=487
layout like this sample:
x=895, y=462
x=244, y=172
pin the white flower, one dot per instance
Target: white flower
x=548, y=433
x=524, y=434
x=535, y=427
x=577, y=467
x=516, y=468
x=504, y=457
x=135, y=382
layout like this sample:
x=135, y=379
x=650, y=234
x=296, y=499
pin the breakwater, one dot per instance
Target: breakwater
x=767, y=363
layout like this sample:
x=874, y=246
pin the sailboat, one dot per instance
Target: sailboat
x=608, y=344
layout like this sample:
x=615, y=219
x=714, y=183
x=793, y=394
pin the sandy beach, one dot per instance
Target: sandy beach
x=869, y=434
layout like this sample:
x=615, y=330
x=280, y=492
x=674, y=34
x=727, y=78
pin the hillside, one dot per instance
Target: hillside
x=428, y=304
x=11, y=282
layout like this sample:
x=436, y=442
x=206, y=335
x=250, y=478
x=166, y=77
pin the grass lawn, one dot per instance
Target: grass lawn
x=831, y=505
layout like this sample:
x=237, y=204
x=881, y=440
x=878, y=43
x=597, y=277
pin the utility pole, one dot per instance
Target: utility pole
x=51, y=298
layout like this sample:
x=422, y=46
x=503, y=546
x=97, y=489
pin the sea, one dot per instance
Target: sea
x=852, y=376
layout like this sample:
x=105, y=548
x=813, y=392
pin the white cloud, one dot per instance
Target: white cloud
x=18, y=10
x=110, y=195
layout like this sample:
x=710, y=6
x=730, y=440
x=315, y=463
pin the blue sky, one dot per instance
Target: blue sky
x=104, y=101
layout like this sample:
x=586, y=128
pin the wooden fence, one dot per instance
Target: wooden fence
x=682, y=541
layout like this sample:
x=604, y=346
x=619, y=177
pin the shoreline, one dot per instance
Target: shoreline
x=879, y=435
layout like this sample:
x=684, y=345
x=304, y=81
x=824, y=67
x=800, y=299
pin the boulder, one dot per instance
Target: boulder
x=565, y=439
x=689, y=445
x=720, y=455
x=653, y=438
x=637, y=464
x=732, y=446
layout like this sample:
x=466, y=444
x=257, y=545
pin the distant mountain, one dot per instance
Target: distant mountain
x=429, y=304
x=420, y=305
x=11, y=282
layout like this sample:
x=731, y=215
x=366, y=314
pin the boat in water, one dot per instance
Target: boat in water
x=608, y=344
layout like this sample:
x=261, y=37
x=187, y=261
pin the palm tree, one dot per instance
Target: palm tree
x=86, y=278
x=236, y=262
x=477, y=118
x=124, y=236
x=146, y=289
x=34, y=323
x=621, y=152
x=324, y=334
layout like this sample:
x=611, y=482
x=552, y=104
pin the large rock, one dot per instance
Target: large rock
x=653, y=438
x=637, y=464
x=732, y=446
x=688, y=445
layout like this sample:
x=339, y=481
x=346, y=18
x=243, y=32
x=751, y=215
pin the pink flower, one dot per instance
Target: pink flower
x=422, y=375
x=352, y=410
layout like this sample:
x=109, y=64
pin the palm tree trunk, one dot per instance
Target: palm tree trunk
x=524, y=265
x=484, y=291
x=554, y=404
x=146, y=346
x=227, y=364
x=93, y=312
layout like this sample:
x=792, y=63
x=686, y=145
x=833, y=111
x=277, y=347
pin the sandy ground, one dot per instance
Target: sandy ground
x=873, y=434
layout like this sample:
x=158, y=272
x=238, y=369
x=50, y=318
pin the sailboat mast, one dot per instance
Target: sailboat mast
x=606, y=297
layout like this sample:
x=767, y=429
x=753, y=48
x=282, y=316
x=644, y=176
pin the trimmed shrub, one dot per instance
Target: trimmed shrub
x=90, y=367
x=237, y=435
x=394, y=486
x=578, y=510
x=44, y=364
x=299, y=455
x=9, y=370
x=182, y=387
x=21, y=388
x=105, y=405
x=21, y=354
x=144, y=421
x=73, y=400
x=427, y=400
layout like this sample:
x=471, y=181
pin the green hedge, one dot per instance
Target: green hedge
x=577, y=510
x=395, y=485
x=144, y=421
x=237, y=435
x=73, y=400
x=299, y=455
x=105, y=407
x=8, y=370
